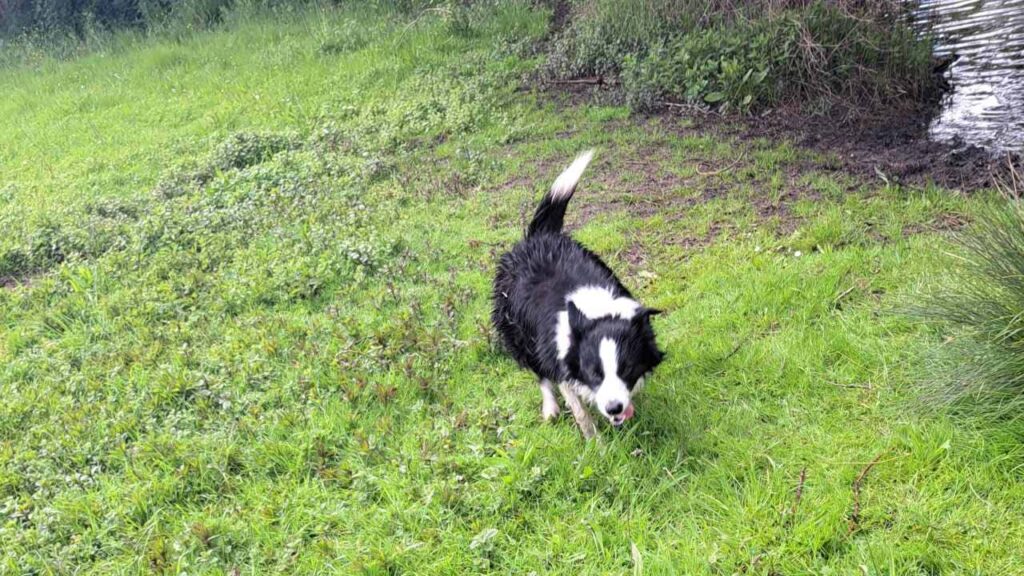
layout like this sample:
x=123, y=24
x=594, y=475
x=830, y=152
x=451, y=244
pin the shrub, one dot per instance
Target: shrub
x=80, y=18
x=74, y=16
x=872, y=58
x=728, y=67
x=184, y=15
x=604, y=32
x=750, y=54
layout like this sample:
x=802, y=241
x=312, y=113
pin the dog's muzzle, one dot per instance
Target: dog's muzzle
x=620, y=419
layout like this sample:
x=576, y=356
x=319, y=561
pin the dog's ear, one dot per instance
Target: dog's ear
x=659, y=355
x=577, y=320
x=644, y=314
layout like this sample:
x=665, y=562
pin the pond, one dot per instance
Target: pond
x=986, y=104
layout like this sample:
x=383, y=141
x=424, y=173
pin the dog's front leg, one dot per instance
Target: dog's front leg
x=579, y=411
x=549, y=407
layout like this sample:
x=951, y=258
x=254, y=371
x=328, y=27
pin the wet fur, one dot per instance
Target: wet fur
x=548, y=278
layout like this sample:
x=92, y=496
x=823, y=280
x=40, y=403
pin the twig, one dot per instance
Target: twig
x=857, y=386
x=689, y=107
x=717, y=172
x=592, y=80
x=735, y=349
x=799, y=495
x=843, y=294
x=855, y=516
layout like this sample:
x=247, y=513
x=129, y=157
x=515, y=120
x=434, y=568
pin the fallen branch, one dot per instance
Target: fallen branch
x=855, y=516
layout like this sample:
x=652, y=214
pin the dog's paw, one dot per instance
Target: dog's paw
x=550, y=410
x=588, y=429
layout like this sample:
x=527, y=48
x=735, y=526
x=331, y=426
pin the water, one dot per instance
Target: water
x=986, y=104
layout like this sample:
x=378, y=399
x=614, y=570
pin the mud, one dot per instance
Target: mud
x=892, y=146
x=895, y=149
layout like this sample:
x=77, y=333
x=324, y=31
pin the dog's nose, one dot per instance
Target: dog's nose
x=614, y=408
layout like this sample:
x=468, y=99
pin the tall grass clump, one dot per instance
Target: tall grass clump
x=980, y=304
x=751, y=54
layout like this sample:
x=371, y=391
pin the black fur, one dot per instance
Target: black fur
x=531, y=288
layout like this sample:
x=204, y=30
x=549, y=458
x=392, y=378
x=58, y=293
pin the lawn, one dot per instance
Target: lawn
x=244, y=325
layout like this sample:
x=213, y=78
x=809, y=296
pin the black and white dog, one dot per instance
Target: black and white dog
x=563, y=314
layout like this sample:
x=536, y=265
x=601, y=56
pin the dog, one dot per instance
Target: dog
x=562, y=313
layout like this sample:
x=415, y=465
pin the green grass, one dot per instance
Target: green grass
x=978, y=302
x=244, y=327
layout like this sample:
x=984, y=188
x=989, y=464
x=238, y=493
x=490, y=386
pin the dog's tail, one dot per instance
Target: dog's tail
x=551, y=213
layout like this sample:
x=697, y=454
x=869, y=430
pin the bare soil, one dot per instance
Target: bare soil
x=889, y=145
x=645, y=179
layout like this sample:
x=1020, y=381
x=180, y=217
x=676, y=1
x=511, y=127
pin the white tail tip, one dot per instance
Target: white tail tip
x=567, y=180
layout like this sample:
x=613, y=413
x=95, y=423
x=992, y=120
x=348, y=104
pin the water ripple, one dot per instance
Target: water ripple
x=986, y=104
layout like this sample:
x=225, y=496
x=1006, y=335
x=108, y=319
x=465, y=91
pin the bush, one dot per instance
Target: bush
x=728, y=67
x=81, y=18
x=749, y=55
x=76, y=16
x=873, y=59
x=184, y=15
x=604, y=32
x=980, y=303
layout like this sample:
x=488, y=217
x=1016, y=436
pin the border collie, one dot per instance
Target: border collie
x=563, y=314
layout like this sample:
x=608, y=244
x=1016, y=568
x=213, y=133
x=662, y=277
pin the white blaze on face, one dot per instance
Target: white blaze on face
x=612, y=388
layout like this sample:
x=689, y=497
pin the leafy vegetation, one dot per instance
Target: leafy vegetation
x=747, y=55
x=243, y=325
x=724, y=67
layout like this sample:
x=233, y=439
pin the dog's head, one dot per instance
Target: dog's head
x=609, y=358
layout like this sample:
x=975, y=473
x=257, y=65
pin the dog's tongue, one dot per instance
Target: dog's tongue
x=628, y=413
